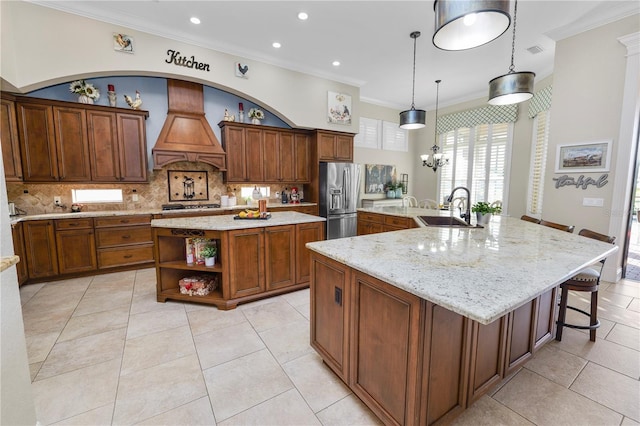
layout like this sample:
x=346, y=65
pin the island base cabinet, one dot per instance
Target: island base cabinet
x=246, y=262
x=445, y=369
x=384, y=357
x=410, y=361
x=280, y=268
x=488, y=348
x=329, y=302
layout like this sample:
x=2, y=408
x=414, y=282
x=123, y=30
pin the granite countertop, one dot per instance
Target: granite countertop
x=8, y=261
x=68, y=215
x=481, y=273
x=227, y=222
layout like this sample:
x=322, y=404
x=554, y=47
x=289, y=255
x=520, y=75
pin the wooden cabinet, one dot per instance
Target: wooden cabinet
x=246, y=262
x=124, y=241
x=76, y=245
x=72, y=144
x=334, y=146
x=410, y=361
x=63, y=141
x=264, y=154
x=372, y=223
x=40, y=246
x=385, y=323
x=252, y=263
x=488, y=348
x=37, y=141
x=369, y=223
x=54, y=144
x=302, y=158
x=245, y=155
x=19, y=250
x=9, y=139
x=330, y=299
x=306, y=233
x=117, y=144
x=280, y=256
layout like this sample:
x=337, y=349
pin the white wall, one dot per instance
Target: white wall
x=588, y=89
x=42, y=46
x=16, y=406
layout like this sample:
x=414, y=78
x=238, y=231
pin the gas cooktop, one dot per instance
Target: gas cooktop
x=189, y=206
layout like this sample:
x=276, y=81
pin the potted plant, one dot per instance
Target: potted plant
x=391, y=188
x=209, y=254
x=483, y=211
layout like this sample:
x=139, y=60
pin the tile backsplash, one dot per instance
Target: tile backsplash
x=38, y=198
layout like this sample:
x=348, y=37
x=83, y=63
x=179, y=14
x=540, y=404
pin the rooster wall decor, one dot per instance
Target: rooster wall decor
x=241, y=70
x=122, y=43
x=134, y=103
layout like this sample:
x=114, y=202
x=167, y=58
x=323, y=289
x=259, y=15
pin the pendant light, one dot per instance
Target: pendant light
x=464, y=24
x=413, y=118
x=513, y=87
x=438, y=159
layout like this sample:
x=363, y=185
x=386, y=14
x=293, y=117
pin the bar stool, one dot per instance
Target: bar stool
x=529, y=219
x=586, y=280
x=566, y=228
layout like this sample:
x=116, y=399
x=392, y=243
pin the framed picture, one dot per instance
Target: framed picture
x=584, y=157
x=376, y=177
x=339, y=108
x=122, y=43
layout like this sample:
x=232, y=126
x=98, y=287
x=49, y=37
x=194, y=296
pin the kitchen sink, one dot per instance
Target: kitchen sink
x=444, y=221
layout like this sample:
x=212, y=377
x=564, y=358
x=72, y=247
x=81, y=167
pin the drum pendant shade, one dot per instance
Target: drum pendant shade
x=511, y=88
x=413, y=118
x=462, y=25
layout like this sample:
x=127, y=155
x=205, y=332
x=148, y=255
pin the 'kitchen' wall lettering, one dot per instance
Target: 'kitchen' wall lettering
x=183, y=61
x=581, y=182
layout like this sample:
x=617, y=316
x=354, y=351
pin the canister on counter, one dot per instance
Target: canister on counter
x=262, y=206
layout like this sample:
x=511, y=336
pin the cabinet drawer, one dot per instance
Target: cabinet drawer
x=104, y=222
x=371, y=217
x=122, y=256
x=123, y=236
x=404, y=222
x=79, y=223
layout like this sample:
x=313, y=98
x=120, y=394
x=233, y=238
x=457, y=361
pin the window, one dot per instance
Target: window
x=376, y=134
x=88, y=196
x=478, y=160
x=538, y=162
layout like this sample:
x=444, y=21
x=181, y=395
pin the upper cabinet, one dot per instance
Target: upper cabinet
x=9, y=140
x=265, y=154
x=117, y=144
x=334, y=146
x=69, y=142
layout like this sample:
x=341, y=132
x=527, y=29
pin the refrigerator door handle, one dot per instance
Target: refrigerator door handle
x=346, y=179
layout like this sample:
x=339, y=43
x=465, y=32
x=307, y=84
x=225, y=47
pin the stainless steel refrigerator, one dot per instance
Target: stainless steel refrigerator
x=339, y=189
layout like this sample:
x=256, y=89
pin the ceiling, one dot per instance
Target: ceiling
x=369, y=38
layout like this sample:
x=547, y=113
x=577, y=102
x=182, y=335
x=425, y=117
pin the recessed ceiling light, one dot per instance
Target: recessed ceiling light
x=195, y=20
x=276, y=45
x=335, y=63
x=303, y=16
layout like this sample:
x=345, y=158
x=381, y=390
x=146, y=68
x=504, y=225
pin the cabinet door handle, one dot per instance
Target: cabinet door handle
x=126, y=237
x=129, y=256
x=124, y=221
x=74, y=224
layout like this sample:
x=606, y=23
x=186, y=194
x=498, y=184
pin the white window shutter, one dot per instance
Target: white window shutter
x=369, y=135
x=394, y=138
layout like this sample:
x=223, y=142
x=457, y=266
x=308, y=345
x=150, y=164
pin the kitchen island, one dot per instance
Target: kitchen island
x=256, y=258
x=420, y=323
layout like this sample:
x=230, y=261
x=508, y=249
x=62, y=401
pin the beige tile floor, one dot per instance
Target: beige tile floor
x=102, y=351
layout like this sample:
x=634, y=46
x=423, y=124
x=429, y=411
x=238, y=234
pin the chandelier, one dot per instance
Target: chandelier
x=437, y=159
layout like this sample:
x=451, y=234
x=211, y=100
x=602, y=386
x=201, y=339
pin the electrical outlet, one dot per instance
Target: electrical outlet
x=57, y=200
x=134, y=197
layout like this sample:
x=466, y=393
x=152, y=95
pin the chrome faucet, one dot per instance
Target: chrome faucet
x=467, y=214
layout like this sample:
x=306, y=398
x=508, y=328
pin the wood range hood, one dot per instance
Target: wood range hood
x=186, y=135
